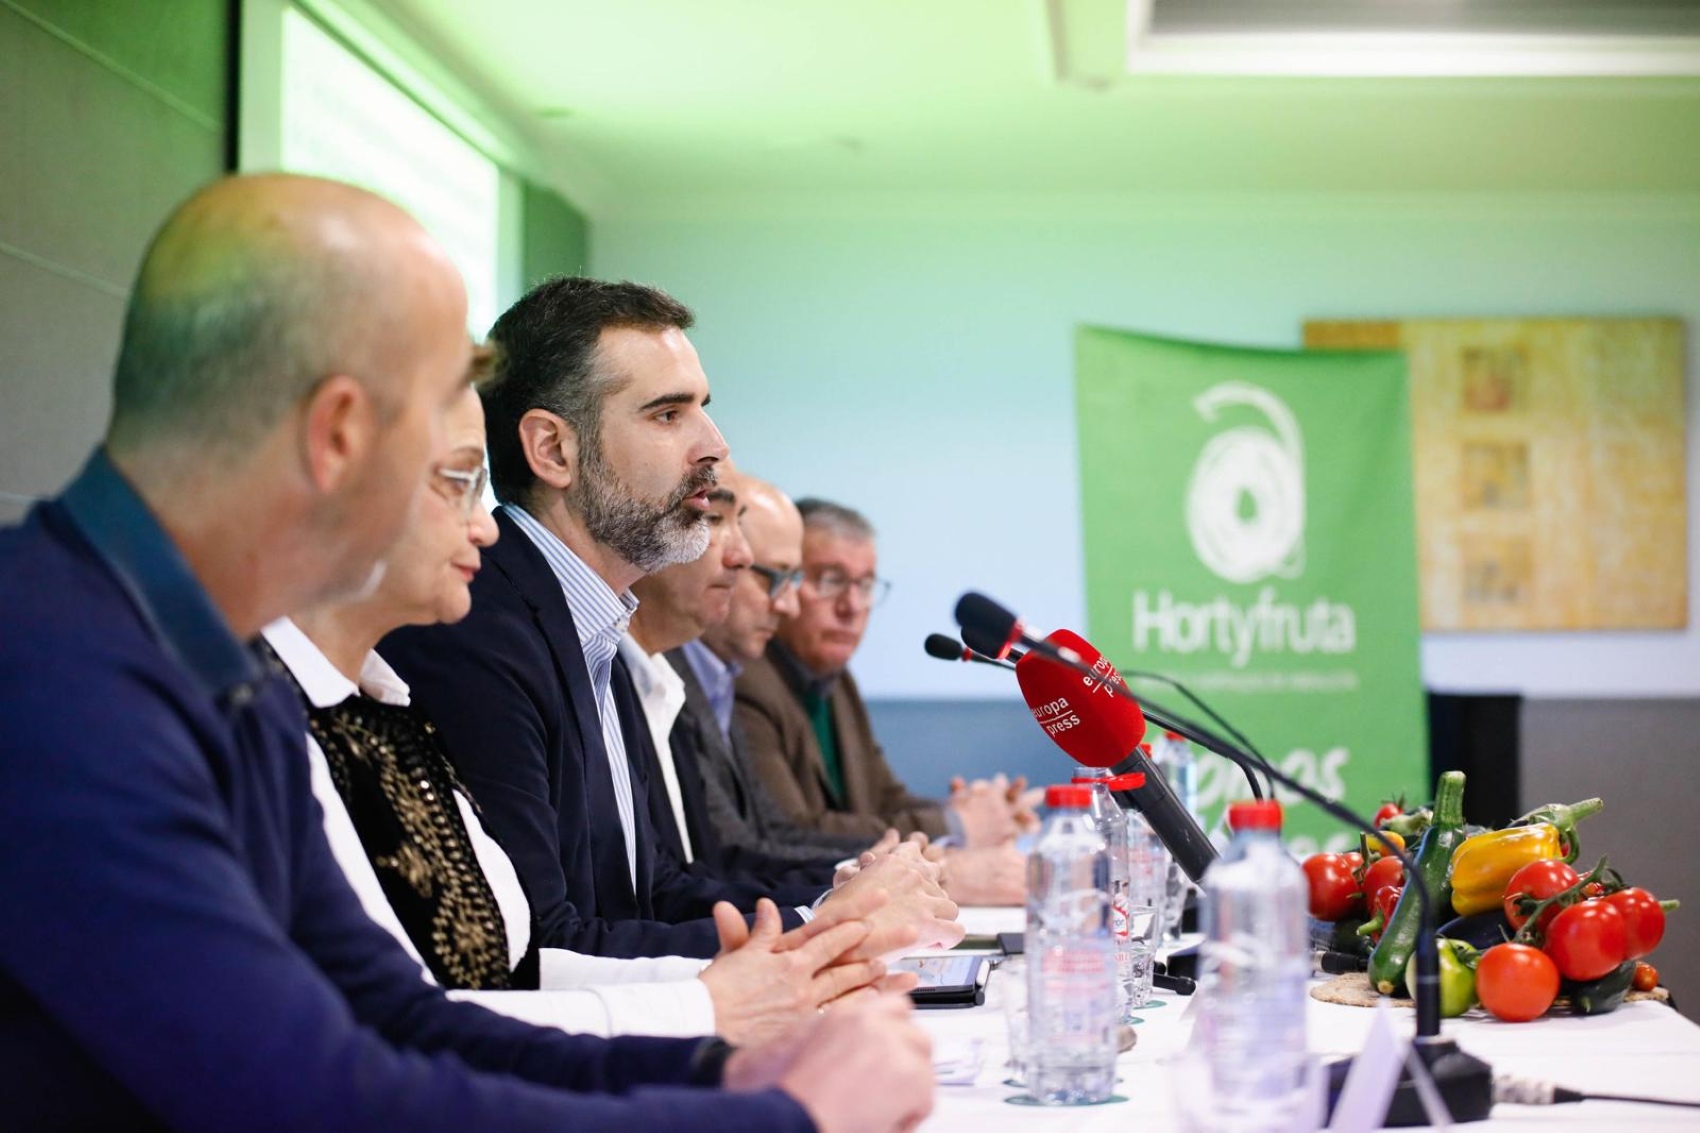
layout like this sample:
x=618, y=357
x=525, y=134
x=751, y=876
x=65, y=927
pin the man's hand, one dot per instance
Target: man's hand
x=1024, y=803
x=918, y=914
x=991, y=875
x=763, y=982
x=863, y=1067
x=890, y=843
x=986, y=808
x=887, y=843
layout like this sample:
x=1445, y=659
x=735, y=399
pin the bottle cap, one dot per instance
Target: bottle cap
x=1065, y=795
x=1132, y=781
x=1257, y=814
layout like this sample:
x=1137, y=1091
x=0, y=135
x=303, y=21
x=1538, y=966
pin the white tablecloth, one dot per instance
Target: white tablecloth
x=1642, y=1048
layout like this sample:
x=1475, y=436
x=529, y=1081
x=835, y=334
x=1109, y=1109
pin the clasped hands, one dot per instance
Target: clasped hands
x=764, y=979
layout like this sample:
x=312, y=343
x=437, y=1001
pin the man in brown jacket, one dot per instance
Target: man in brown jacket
x=807, y=729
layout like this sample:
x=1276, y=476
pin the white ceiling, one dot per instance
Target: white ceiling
x=641, y=103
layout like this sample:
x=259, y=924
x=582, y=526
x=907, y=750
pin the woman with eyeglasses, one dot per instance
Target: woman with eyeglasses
x=408, y=835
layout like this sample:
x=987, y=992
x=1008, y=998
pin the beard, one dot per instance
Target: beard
x=648, y=534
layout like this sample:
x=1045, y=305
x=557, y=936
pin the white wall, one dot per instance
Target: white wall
x=913, y=358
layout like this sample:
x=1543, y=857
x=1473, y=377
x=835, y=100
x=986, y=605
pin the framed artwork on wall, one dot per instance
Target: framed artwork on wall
x=1549, y=468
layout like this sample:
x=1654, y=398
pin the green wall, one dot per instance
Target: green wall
x=917, y=362
x=110, y=113
x=555, y=235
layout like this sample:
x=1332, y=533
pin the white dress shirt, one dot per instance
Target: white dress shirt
x=661, y=692
x=595, y=995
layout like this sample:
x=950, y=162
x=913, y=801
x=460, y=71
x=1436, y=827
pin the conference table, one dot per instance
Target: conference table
x=1643, y=1049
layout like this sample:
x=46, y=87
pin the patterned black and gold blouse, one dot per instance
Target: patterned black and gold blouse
x=390, y=768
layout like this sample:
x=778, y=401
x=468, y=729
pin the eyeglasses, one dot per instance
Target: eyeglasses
x=461, y=487
x=778, y=581
x=830, y=585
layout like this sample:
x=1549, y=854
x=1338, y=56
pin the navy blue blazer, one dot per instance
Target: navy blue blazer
x=509, y=689
x=181, y=949
x=688, y=741
x=788, y=882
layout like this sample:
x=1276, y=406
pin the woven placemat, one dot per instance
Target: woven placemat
x=1353, y=989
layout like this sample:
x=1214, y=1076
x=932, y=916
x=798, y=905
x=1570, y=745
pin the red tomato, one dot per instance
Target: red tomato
x=1516, y=982
x=1387, y=811
x=1586, y=941
x=1354, y=859
x=1643, y=920
x=1334, y=891
x=1646, y=977
x=1539, y=880
x=1384, y=871
x=1381, y=905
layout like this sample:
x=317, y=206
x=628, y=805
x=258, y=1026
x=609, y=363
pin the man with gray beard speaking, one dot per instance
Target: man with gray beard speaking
x=603, y=455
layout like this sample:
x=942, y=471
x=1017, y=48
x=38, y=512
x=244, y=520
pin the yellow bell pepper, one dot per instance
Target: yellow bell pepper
x=1377, y=843
x=1484, y=863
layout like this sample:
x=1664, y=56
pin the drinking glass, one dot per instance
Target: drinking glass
x=1148, y=883
x=1011, y=977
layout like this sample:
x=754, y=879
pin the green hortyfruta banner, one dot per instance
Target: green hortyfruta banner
x=1250, y=531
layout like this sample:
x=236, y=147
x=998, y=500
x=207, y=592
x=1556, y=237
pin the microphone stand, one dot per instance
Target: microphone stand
x=1464, y=1082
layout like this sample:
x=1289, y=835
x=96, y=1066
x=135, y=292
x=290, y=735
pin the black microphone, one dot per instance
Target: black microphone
x=949, y=649
x=987, y=645
x=1465, y=1082
x=946, y=648
x=988, y=627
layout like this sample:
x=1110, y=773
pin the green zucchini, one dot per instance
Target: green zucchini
x=1597, y=997
x=1433, y=857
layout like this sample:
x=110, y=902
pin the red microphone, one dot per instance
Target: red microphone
x=1095, y=720
x=1097, y=736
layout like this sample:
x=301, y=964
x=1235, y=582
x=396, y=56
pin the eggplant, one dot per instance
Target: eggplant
x=1338, y=936
x=1604, y=995
x=1479, y=930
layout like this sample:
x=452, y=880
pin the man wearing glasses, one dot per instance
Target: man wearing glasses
x=807, y=729
x=738, y=805
x=675, y=607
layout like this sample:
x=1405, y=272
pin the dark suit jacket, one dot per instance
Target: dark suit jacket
x=786, y=881
x=509, y=688
x=727, y=808
x=786, y=757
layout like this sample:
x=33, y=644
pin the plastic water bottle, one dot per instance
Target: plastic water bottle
x=1173, y=755
x=1255, y=964
x=1111, y=822
x=1071, y=961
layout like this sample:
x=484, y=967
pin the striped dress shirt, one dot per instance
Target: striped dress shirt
x=601, y=617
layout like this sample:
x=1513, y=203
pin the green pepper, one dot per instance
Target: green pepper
x=1598, y=997
x=1410, y=826
x=1457, y=977
x=1434, y=855
x=1565, y=819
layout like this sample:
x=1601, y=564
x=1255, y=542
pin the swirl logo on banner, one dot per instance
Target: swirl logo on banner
x=1245, y=503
